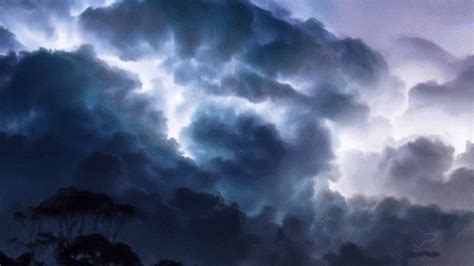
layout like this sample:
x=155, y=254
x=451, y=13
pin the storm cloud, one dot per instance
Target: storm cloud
x=224, y=127
x=424, y=170
x=59, y=116
x=252, y=159
x=262, y=49
x=8, y=41
x=454, y=96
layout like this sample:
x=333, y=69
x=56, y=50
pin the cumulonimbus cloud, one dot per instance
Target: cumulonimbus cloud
x=248, y=190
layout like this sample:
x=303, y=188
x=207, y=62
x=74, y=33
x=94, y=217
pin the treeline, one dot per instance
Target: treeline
x=74, y=227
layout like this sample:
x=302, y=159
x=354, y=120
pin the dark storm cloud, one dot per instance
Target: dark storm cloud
x=8, y=41
x=191, y=24
x=308, y=49
x=409, y=227
x=252, y=159
x=393, y=231
x=351, y=254
x=207, y=35
x=422, y=158
x=102, y=172
x=340, y=106
x=453, y=97
x=68, y=117
x=192, y=227
x=420, y=170
x=248, y=196
x=424, y=170
x=255, y=88
x=238, y=29
x=457, y=191
x=204, y=229
x=325, y=100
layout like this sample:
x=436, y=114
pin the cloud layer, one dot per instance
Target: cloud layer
x=230, y=143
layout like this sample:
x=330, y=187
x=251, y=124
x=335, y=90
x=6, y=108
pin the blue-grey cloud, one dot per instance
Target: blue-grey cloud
x=265, y=49
x=58, y=109
x=424, y=170
x=8, y=41
x=253, y=160
x=452, y=97
x=253, y=192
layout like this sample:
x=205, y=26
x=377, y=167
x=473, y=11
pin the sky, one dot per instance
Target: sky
x=263, y=132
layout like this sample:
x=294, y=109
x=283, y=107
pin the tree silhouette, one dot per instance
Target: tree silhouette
x=26, y=259
x=73, y=223
x=96, y=250
x=5, y=260
x=75, y=227
x=167, y=262
x=73, y=212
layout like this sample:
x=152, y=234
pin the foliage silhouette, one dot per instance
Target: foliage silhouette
x=96, y=250
x=167, y=262
x=73, y=212
x=74, y=227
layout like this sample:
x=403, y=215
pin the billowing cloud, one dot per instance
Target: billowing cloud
x=202, y=228
x=58, y=109
x=250, y=53
x=466, y=159
x=40, y=15
x=262, y=107
x=8, y=41
x=253, y=160
x=423, y=169
x=453, y=97
x=419, y=159
x=272, y=45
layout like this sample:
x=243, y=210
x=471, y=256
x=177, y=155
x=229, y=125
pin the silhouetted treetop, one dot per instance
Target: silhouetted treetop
x=6, y=260
x=72, y=212
x=73, y=200
x=26, y=259
x=94, y=250
x=167, y=262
